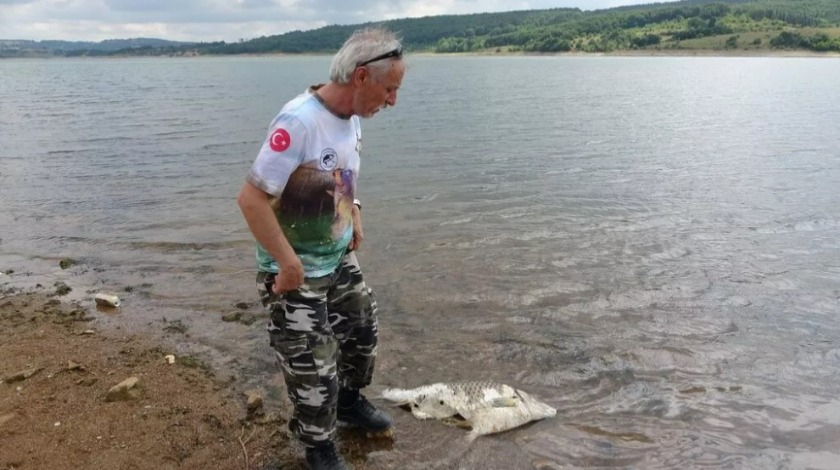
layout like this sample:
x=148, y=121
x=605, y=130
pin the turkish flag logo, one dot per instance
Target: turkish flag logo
x=280, y=140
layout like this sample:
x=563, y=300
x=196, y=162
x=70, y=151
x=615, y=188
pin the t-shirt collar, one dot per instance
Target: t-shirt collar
x=313, y=91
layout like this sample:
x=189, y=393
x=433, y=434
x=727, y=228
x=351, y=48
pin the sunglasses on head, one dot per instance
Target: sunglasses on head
x=395, y=53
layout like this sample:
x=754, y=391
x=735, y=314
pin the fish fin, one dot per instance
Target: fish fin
x=504, y=402
x=406, y=405
x=398, y=395
x=464, y=425
x=458, y=421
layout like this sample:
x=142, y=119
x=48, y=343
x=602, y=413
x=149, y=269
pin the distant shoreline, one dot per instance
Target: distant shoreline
x=621, y=53
x=646, y=53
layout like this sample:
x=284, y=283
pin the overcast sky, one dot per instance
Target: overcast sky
x=231, y=20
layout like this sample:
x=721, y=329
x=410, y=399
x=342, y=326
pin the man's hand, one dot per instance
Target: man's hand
x=358, y=234
x=290, y=277
x=256, y=207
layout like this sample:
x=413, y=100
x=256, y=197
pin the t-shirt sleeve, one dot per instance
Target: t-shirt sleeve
x=280, y=155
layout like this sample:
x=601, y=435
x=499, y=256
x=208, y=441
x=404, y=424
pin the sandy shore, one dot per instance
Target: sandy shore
x=57, y=370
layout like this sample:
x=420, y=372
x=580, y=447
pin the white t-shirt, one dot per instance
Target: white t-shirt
x=310, y=162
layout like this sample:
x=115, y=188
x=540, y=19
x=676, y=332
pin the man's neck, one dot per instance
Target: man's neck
x=337, y=98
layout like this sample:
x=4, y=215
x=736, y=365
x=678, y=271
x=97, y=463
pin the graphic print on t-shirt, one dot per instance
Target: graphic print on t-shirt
x=315, y=210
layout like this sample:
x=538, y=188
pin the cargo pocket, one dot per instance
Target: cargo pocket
x=372, y=307
x=265, y=282
x=364, y=311
x=297, y=361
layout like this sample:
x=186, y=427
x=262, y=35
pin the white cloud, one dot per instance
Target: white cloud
x=208, y=32
x=229, y=20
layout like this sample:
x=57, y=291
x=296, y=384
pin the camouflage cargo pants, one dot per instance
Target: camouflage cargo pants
x=324, y=335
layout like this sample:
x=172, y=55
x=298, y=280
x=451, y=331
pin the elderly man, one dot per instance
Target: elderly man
x=299, y=203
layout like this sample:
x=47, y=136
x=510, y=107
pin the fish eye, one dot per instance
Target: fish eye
x=416, y=405
x=441, y=402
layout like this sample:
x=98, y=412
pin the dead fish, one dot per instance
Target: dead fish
x=482, y=407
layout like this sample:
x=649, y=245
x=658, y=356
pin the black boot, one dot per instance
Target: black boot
x=355, y=410
x=325, y=457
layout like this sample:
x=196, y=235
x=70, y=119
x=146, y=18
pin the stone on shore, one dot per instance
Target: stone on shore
x=126, y=390
x=255, y=403
x=22, y=375
x=232, y=317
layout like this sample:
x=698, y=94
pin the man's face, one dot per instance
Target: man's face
x=372, y=93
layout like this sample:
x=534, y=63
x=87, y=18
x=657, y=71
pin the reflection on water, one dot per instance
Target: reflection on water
x=652, y=253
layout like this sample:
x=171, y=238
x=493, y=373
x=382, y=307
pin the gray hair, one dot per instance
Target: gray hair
x=363, y=45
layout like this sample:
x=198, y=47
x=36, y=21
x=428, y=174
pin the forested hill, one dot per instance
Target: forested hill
x=689, y=24
x=752, y=25
x=23, y=48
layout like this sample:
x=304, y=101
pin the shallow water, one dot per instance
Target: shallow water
x=648, y=244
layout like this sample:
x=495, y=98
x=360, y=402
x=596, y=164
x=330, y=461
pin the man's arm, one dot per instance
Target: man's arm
x=358, y=234
x=255, y=206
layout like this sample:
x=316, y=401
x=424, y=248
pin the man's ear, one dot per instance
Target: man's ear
x=360, y=75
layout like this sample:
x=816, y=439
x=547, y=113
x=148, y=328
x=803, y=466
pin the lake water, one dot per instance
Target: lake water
x=651, y=245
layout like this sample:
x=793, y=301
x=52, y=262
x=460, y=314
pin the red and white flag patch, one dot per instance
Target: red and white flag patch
x=280, y=140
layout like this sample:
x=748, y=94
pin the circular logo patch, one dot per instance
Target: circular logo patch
x=329, y=159
x=280, y=140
